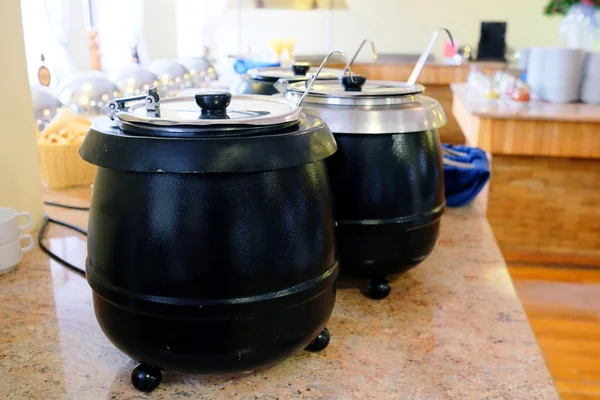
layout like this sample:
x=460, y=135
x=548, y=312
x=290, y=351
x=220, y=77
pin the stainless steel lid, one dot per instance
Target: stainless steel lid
x=208, y=110
x=356, y=91
x=296, y=73
x=358, y=106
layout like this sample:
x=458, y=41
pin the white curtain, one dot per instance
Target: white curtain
x=193, y=25
x=119, y=24
x=46, y=28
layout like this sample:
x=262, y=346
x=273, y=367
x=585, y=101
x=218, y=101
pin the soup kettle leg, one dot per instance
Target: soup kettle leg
x=378, y=288
x=146, y=377
x=320, y=342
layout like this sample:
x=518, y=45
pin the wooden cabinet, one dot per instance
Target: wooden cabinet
x=544, y=192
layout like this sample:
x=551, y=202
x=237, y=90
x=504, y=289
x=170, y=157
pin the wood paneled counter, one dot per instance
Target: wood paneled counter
x=544, y=194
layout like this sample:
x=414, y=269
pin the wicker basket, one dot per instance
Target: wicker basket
x=62, y=167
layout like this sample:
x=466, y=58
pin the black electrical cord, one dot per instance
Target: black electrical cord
x=44, y=228
x=53, y=204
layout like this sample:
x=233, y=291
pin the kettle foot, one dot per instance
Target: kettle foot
x=146, y=377
x=379, y=288
x=320, y=342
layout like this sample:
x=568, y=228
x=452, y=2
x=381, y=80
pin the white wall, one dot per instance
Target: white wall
x=394, y=25
x=171, y=27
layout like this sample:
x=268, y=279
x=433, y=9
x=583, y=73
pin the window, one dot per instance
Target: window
x=46, y=31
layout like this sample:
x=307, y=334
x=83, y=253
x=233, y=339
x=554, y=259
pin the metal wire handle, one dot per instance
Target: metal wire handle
x=152, y=103
x=373, y=51
x=419, y=67
x=314, y=77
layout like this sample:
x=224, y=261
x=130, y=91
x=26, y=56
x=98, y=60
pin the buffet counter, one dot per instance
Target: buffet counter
x=451, y=328
x=436, y=78
x=543, y=202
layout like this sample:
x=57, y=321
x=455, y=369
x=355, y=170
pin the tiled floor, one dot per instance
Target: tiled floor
x=563, y=306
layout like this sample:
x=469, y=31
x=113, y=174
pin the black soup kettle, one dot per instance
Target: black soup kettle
x=387, y=174
x=211, y=242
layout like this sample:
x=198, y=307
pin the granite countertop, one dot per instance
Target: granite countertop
x=534, y=110
x=452, y=328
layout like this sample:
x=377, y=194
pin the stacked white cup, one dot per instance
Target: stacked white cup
x=590, y=86
x=562, y=74
x=11, y=239
x=535, y=70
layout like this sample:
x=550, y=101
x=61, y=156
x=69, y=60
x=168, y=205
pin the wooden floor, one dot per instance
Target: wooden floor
x=563, y=306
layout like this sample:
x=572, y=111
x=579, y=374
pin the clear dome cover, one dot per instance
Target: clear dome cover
x=87, y=92
x=134, y=79
x=45, y=105
x=172, y=77
x=201, y=70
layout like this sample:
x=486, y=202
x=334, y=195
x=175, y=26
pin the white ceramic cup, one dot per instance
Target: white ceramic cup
x=9, y=224
x=12, y=253
x=591, y=67
x=561, y=64
x=535, y=69
x=564, y=57
x=561, y=94
x=590, y=91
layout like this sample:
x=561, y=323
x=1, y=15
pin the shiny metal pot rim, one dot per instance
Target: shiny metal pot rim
x=421, y=114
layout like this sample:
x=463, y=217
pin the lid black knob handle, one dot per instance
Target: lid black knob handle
x=353, y=83
x=300, y=68
x=213, y=103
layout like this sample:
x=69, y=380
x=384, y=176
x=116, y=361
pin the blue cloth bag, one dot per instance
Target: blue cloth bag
x=463, y=183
